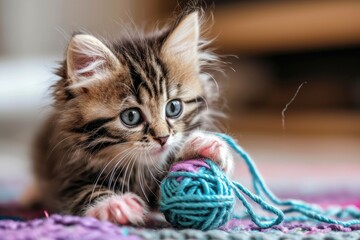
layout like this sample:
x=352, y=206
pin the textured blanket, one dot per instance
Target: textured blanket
x=19, y=224
x=70, y=227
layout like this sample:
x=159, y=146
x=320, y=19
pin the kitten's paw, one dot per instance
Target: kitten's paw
x=210, y=146
x=126, y=209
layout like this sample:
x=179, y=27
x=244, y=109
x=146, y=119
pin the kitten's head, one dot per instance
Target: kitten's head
x=143, y=93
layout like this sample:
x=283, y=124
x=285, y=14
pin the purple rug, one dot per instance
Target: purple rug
x=71, y=227
x=25, y=224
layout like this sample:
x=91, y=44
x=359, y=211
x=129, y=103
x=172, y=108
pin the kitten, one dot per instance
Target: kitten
x=123, y=112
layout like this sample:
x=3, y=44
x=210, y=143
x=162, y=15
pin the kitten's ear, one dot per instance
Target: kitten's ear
x=89, y=59
x=183, y=41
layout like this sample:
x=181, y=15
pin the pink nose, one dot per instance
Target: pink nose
x=162, y=140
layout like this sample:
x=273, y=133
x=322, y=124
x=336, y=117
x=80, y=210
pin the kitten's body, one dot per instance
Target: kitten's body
x=88, y=159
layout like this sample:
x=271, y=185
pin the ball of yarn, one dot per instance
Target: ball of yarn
x=196, y=194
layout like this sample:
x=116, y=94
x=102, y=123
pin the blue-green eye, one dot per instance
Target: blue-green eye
x=131, y=117
x=173, y=109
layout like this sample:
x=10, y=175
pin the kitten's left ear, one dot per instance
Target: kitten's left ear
x=89, y=59
x=182, y=42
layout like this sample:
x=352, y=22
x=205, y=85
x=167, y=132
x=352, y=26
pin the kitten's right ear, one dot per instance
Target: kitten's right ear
x=89, y=59
x=182, y=42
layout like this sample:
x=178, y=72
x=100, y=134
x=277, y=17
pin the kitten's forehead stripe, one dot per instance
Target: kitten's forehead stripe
x=163, y=73
x=156, y=73
x=161, y=86
x=144, y=74
x=151, y=73
x=138, y=82
x=147, y=71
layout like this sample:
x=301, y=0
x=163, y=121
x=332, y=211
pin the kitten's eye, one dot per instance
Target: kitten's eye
x=131, y=117
x=173, y=109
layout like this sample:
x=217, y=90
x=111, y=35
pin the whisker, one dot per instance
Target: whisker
x=131, y=169
x=51, y=151
x=114, y=169
x=127, y=161
x=141, y=178
x=100, y=174
x=143, y=174
x=156, y=180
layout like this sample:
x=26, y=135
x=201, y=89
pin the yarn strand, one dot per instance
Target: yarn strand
x=307, y=211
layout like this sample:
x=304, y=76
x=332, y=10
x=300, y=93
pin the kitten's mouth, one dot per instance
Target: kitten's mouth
x=160, y=150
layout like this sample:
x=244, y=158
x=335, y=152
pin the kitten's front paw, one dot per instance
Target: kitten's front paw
x=123, y=209
x=209, y=146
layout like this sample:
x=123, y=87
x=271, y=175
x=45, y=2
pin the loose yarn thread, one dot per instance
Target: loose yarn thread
x=197, y=194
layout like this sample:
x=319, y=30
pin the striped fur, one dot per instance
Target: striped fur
x=84, y=153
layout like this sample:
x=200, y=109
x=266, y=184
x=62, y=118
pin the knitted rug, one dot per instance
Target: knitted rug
x=71, y=227
x=24, y=224
x=17, y=223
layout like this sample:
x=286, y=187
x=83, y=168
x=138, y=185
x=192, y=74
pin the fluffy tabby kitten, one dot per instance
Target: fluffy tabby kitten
x=123, y=112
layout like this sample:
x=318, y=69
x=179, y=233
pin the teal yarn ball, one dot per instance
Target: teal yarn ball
x=196, y=194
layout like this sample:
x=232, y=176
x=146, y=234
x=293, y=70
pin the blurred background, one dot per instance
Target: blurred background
x=273, y=48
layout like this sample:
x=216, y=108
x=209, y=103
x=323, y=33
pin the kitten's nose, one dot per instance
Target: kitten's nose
x=162, y=140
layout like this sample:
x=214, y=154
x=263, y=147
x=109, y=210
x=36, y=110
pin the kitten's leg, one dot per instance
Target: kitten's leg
x=207, y=145
x=103, y=204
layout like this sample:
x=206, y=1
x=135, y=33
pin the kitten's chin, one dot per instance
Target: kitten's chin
x=160, y=154
x=160, y=151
